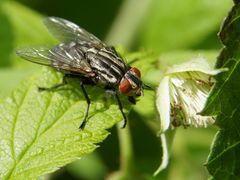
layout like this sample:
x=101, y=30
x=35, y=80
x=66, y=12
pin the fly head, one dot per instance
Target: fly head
x=131, y=84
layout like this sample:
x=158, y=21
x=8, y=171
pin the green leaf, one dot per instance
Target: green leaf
x=20, y=26
x=7, y=39
x=39, y=130
x=181, y=24
x=26, y=24
x=224, y=159
x=90, y=166
x=11, y=77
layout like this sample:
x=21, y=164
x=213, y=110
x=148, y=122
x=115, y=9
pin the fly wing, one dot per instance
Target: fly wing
x=67, y=31
x=38, y=55
x=65, y=58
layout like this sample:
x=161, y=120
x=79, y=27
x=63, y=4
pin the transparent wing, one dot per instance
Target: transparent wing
x=66, y=31
x=63, y=57
x=39, y=54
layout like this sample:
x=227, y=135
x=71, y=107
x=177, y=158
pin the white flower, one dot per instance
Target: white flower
x=183, y=92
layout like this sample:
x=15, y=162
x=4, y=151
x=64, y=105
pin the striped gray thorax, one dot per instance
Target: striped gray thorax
x=109, y=67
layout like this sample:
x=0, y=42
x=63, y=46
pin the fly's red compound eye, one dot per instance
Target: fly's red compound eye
x=125, y=86
x=136, y=71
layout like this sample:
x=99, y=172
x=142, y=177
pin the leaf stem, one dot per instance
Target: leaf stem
x=127, y=159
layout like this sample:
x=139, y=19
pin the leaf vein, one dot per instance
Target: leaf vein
x=24, y=152
x=19, y=105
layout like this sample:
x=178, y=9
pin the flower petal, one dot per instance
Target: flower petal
x=199, y=64
x=163, y=104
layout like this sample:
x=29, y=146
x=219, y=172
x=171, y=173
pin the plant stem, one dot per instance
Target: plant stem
x=127, y=160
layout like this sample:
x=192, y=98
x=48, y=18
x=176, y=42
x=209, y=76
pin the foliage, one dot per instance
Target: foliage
x=224, y=161
x=38, y=131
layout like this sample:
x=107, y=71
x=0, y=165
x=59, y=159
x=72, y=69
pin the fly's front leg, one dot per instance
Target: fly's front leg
x=132, y=99
x=88, y=106
x=121, y=109
x=64, y=82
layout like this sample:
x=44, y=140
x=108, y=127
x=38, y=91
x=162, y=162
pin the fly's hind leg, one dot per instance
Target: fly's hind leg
x=88, y=106
x=64, y=82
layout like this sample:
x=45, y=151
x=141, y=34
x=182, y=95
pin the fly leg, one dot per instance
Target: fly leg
x=64, y=82
x=121, y=109
x=88, y=106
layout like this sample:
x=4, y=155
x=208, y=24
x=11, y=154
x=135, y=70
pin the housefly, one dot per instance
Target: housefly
x=82, y=55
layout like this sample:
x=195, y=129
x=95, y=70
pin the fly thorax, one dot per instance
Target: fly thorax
x=107, y=65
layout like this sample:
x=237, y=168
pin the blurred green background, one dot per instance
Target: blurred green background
x=172, y=30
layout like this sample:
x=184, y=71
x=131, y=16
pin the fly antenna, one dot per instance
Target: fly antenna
x=147, y=87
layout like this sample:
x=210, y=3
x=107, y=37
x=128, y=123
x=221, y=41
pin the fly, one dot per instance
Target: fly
x=80, y=54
